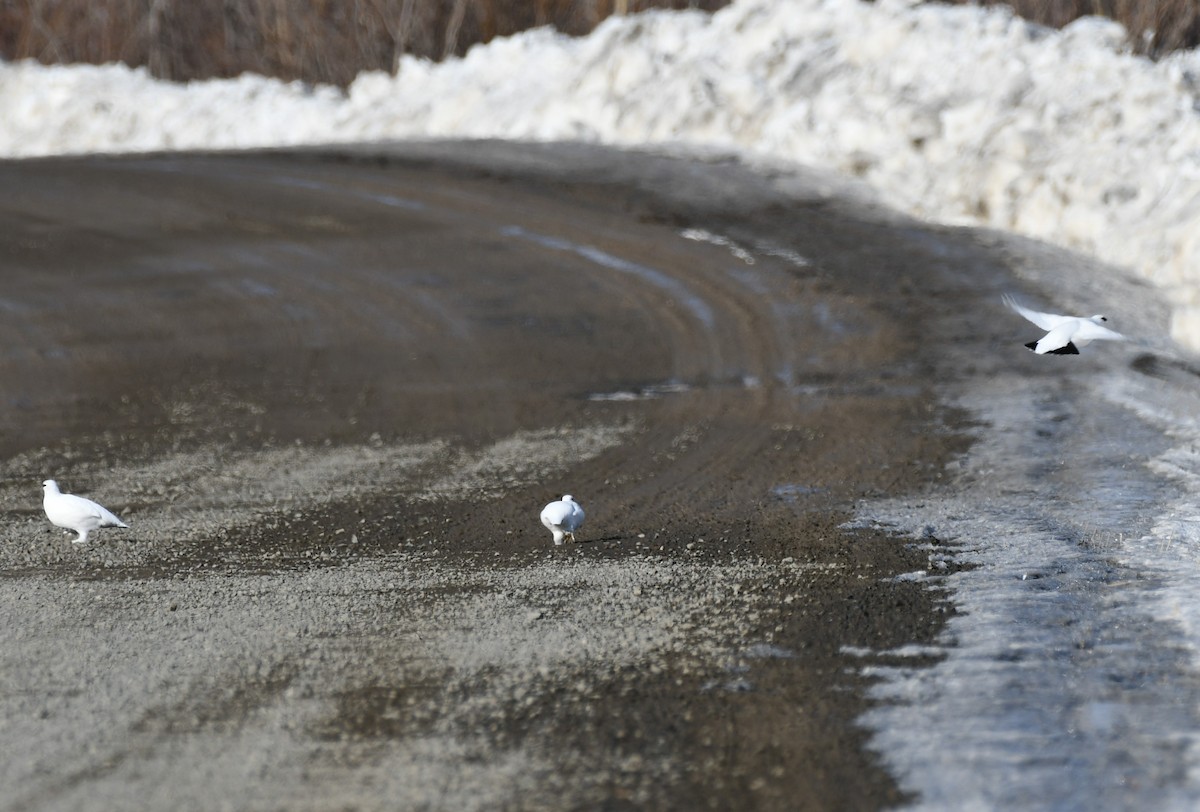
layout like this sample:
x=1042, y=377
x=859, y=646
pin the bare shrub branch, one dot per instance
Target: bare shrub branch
x=1156, y=27
x=332, y=41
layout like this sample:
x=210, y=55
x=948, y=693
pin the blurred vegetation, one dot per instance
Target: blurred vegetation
x=1156, y=27
x=319, y=41
x=330, y=41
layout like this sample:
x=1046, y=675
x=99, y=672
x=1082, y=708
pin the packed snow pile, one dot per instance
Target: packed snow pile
x=954, y=113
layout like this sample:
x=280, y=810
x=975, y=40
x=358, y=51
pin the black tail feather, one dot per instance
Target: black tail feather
x=1066, y=349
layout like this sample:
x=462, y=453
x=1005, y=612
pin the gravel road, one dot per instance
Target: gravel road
x=330, y=392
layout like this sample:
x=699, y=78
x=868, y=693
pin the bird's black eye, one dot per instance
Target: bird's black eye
x=1104, y=318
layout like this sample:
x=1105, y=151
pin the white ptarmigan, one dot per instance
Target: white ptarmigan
x=1064, y=334
x=75, y=512
x=563, y=518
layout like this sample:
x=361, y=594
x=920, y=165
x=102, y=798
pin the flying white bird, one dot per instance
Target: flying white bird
x=563, y=518
x=75, y=512
x=1064, y=334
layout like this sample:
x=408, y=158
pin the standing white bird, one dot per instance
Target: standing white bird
x=75, y=512
x=563, y=518
x=1064, y=334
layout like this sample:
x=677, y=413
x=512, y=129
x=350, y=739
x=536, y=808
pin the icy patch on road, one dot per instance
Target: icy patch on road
x=1069, y=675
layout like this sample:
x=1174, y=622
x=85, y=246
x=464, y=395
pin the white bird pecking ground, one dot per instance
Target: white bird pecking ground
x=563, y=518
x=75, y=513
x=1065, y=335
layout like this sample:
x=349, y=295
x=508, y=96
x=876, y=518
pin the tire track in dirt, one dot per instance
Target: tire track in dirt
x=336, y=390
x=387, y=319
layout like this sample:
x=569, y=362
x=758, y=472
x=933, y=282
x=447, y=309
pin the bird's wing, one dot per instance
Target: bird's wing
x=69, y=509
x=1047, y=321
x=555, y=513
x=110, y=519
x=1090, y=331
x=86, y=507
x=1058, y=337
x=573, y=518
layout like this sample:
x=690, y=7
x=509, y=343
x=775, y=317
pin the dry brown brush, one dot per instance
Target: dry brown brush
x=320, y=41
x=330, y=41
x=1156, y=27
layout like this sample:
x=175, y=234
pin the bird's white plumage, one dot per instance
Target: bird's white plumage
x=563, y=518
x=1064, y=333
x=75, y=513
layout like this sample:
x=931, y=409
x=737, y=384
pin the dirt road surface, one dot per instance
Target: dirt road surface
x=330, y=392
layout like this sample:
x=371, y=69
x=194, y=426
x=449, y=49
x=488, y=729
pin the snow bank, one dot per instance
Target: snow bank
x=957, y=114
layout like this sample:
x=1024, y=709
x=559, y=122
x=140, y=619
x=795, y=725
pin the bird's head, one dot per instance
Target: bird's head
x=50, y=485
x=1099, y=319
x=568, y=497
